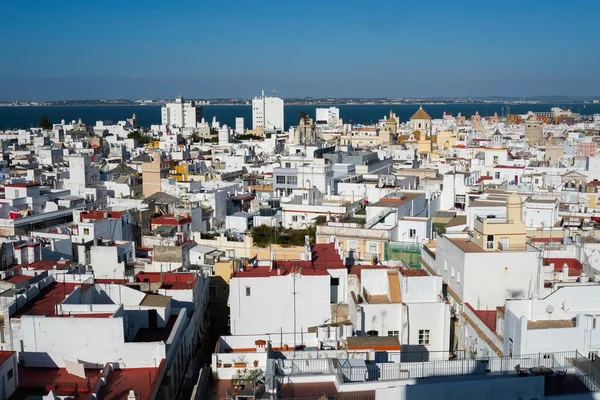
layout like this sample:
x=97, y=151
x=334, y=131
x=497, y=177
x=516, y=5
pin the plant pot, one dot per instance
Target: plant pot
x=219, y=365
x=255, y=363
x=239, y=365
x=227, y=365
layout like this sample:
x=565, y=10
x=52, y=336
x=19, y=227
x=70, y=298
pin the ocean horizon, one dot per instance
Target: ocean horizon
x=22, y=117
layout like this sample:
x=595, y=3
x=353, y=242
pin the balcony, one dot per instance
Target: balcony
x=571, y=372
x=512, y=247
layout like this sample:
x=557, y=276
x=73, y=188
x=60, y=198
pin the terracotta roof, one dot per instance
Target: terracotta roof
x=573, y=264
x=481, y=334
x=420, y=114
x=550, y=324
x=373, y=342
x=467, y=246
x=170, y=220
x=101, y=214
x=488, y=317
x=5, y=355
x=21, y=185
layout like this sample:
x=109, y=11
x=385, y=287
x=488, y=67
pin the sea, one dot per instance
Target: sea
x=12, y=117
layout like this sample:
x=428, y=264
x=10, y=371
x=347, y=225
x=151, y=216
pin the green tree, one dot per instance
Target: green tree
x=142, y=139
x=45, y=123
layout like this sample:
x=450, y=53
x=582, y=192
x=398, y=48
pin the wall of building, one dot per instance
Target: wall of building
x=99, y=340
x=8, y=377
x=270, y=305
x=474, y=388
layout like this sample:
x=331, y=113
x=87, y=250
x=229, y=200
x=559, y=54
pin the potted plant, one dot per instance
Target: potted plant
x=255, y=363
x=227, y=365
x=240, y=362
x=219, y=364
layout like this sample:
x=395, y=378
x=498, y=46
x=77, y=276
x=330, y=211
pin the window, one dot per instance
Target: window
x=510, y=347
x=304, y=196
x=292, y=180
x=423, y=336
x=497, y=175
x=17, y=194
x=490, y=242
x=372, y=333
x=372, y=248
x=212, y=291
x=445, y=265
x=288, y=165
x=10, y=374
x=351, y=245
x=393, y=333
x=335, y=281
x=457, y=276
x=412, y=233
x=495, y=159
x=247, y=290
x=294, y=218
x=452, y=272
x=281, y=179
x=592, y=355
x=86, y=231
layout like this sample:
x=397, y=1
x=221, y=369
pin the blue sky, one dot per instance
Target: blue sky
x=74, y=49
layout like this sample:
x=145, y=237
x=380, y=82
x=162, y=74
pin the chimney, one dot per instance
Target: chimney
x=565, y=272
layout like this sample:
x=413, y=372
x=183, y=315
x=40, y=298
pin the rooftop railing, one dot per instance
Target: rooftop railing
x=348, y=371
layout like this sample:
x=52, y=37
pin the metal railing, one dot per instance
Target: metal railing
x=348, y=371
x=512, y=247
x=379, y=217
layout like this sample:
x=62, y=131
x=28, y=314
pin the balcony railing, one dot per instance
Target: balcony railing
x=347, y=371
x=512, y=247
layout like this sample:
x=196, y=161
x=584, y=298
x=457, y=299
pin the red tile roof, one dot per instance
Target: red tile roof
x=21, y=185
x=46, y=265
x=324, y=257
x=170, y=280
x=509, y=166
x=142, y=380
x=487, y=317
x=58, y=380
x=573, y=264
x=45, y=302
x=101, y=214
x=18, y=278
x=5, y=355
x=170, y=220
x=484, y=178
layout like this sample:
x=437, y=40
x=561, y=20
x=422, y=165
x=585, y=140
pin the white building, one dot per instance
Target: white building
x=566, y=320
x=328, y=116
x=287, y=295
x=267, y=113
x=181, y=114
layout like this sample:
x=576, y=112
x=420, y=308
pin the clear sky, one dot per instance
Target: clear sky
x=89, y=49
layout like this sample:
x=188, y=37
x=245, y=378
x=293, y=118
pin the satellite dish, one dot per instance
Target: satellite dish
x=549, y=308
